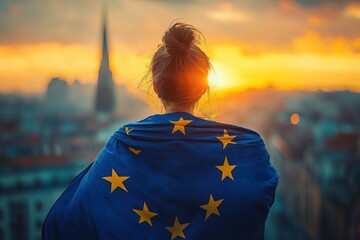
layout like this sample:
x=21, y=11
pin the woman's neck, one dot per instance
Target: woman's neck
x=170, y=108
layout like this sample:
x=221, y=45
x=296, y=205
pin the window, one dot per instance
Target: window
x=19, y=215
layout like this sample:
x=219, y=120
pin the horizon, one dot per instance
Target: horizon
x=219, y=93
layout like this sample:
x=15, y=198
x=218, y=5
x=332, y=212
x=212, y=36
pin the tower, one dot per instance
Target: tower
x=105, y=96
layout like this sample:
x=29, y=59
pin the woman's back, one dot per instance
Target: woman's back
x=170, y=176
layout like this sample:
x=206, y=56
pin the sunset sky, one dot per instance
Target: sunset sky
x=286, y=44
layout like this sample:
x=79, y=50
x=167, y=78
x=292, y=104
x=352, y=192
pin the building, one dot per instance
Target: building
x=26, y=196
x=57, y=95
x=105, y=95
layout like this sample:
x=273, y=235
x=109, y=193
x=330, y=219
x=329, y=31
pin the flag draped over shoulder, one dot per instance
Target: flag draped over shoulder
x=170, y=176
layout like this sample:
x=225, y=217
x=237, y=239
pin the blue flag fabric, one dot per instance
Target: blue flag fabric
x=170, y=176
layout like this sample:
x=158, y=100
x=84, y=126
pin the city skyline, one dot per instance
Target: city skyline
x=292, y=44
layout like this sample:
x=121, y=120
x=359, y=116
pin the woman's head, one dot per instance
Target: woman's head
x=179, y=68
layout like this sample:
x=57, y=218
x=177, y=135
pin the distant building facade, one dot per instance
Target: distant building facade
x=57, y=95
x=27, y=195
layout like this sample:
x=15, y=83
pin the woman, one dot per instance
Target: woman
x=172, y=175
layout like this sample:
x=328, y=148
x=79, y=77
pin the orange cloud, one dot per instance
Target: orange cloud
x=289, y=6
x=227, y=13
x=316, y=21
x=356, y=44
x=352, y=11
x=313, y=42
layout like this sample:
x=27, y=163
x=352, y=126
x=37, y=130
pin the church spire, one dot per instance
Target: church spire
x=105, y=50
x=105, y=96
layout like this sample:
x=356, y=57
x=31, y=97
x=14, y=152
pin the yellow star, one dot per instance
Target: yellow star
x=116, y=181
x=145, y=214
x=226, y=139
x=127, y=130
x=180, y=125
x=226, y=169
x=177, y=229
x=135, y=151
x=211, y=207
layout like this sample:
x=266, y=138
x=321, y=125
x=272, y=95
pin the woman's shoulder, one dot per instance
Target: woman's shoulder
x=230, y=126
x=189, y=121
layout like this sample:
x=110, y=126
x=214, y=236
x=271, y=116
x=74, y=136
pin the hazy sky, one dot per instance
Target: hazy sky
x=288, y=44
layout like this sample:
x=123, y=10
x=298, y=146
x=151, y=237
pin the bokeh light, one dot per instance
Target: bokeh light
x=295, y=118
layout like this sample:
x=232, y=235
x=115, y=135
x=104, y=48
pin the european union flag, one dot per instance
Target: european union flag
x=170, y=176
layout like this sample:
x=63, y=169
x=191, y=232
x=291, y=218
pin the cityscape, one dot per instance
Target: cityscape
x=313, y=137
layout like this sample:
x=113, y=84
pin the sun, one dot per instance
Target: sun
x=222, y=77
x=216, y=77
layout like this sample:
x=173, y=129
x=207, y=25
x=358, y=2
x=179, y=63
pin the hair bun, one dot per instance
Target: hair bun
x=179, y=38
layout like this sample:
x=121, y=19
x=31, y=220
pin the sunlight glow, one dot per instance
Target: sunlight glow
x=294, y=70
x=216, y=77
x=28, y=68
